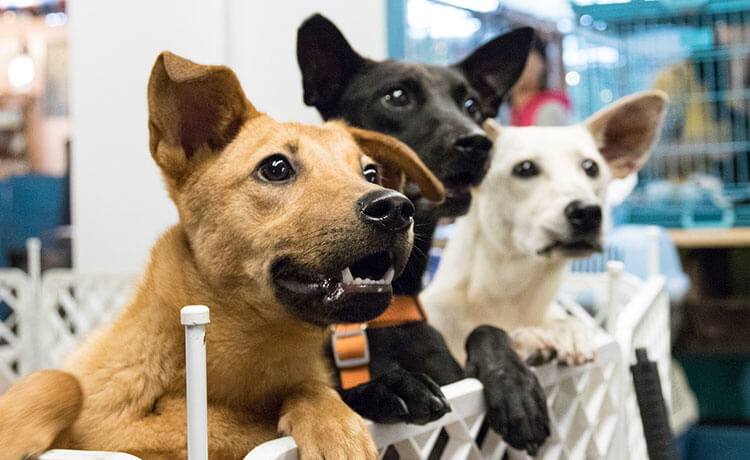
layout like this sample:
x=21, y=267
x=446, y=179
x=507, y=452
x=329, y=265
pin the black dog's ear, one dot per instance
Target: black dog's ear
x=495, y=66
x=326, y=61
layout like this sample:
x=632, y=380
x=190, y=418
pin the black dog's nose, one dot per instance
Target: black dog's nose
x=386, y=209
x=583, y=217
x=475, y=145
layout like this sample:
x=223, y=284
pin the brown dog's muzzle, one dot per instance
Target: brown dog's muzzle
x=350, y=280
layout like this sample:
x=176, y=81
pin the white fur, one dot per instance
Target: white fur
x=492, y=271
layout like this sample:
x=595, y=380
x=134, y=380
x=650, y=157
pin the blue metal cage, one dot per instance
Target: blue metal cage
x=698, y=51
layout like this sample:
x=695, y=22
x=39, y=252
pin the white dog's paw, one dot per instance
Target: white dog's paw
x=535, y=345
x=568, y=340
x=573, y=340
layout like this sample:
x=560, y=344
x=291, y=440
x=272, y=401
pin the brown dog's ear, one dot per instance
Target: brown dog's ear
x=495, y=66
x=625, y=130
x=192, y=106
x=397, y=159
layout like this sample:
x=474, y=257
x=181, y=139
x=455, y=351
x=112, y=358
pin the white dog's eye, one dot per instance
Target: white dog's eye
x=525, y=169
x=371, y=173
x=590, y=168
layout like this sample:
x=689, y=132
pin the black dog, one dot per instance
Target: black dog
x=438, y=112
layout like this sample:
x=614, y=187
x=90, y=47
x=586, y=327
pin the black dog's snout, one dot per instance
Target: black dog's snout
x=475, y=145
x=388, y=210
x=583, y=217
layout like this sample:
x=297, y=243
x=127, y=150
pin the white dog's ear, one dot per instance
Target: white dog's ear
x=492, y=128
x=625, y=130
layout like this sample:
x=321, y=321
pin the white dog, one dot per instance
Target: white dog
x=539, y=206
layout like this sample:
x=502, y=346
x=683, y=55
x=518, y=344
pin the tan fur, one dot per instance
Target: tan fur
x=266, y=370
x=26, y=400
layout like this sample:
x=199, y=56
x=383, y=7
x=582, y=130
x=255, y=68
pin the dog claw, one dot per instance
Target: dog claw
x=398, y=396
x=439, y=405
x=541, y=356
x=403, y=409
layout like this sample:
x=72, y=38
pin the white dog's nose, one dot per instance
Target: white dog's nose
x=583, y=217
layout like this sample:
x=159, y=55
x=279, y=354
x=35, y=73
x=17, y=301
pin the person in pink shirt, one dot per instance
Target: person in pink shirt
x=533, y=102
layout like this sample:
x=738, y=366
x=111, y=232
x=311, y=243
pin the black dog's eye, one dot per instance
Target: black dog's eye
x=525, y=169
x=275, y=168
x=396, y=97
x=472, y=108
x=371, y=174
x=590, y=167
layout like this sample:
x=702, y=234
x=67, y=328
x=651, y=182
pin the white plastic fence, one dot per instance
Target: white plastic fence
x=594, y=414
x=15, y=296
x=593, y=409
x=584, y=408
x=71, y=306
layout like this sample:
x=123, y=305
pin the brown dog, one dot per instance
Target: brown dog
x=283, y=230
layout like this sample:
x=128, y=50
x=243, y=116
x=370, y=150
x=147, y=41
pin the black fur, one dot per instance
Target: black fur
x=491, y=359
x=442, y=124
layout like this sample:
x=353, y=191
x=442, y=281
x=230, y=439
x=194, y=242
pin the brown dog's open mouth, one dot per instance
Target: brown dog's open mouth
x=373, y=270
x=372, y=273
x=358, y=292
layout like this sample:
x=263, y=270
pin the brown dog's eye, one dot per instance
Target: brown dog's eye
x=275, y=168
x=590, y=168
x=525, y=169
x=371, y=174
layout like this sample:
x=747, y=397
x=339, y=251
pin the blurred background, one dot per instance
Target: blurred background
x=75, y=169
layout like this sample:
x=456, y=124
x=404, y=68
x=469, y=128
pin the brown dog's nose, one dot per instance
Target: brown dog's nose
x=386, y=209
x=583, y=217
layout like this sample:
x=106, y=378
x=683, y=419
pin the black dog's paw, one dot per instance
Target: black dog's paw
x=398, y=396
x=516, y=404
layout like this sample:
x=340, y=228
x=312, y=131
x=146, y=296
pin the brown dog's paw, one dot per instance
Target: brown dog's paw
x=16, y=452
x=330, y=433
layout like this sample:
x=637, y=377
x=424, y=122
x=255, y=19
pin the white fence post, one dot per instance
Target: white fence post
x=31, y=321
x=195, y=318
x=653, y=250
x=614, y=270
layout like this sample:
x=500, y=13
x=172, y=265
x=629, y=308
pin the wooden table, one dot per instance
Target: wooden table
x=736, y=237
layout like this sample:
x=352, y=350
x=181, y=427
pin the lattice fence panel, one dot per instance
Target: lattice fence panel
x=593, y=409
x=72, y=305
x=645, y=324
x=585, y=406
x=15, y=309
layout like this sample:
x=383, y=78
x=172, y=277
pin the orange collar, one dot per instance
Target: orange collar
x=349, y=341
x=403, y=309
